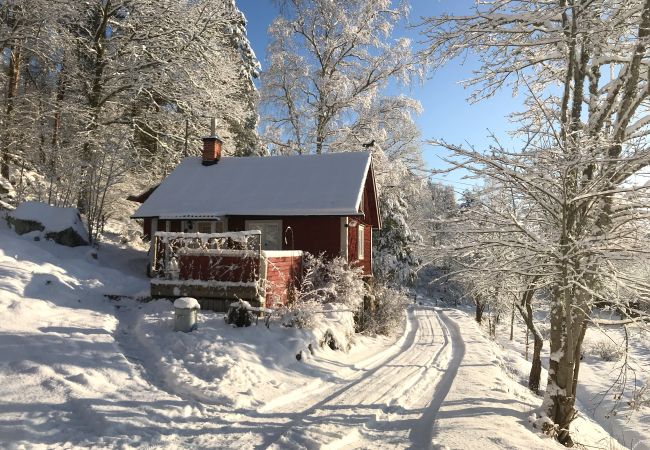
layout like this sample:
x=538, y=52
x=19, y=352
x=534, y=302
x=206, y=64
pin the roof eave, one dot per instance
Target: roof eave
x=163, y=216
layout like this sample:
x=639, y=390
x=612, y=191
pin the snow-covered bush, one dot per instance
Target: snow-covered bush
x=239, y=314
x=301, y=314
x=604, y=349
x=325, y=281
x=331, y=281
x=388, y=313
x=330, y=293
x=330, y=325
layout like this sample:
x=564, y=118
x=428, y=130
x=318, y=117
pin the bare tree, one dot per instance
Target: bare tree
x=328, y=61
x=589, y=142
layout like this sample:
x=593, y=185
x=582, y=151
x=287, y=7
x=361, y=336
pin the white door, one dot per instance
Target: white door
x=271, y=232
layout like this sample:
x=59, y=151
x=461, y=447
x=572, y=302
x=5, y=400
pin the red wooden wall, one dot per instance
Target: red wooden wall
x=281, y=274
x=313, y=234
x=234, y=269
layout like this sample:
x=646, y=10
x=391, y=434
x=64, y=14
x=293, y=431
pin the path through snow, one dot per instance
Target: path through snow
x=386, y=404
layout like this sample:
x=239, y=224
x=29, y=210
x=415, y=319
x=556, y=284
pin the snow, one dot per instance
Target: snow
x=239, y=236
x=204, y=283
x=186, y=303
x=78, y=370
x=329, y=184
x=54, y=219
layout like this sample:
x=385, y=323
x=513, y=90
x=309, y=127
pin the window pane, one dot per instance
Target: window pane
x=271, y=233
x=204, y=227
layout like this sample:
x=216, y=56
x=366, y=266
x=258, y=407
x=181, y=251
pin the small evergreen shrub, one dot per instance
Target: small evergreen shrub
x=239, y=315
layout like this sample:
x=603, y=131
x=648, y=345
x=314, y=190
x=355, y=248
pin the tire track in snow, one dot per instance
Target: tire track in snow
x=389, y=399
x=407, y=373
x=314, y=392
x=319, y=402
x=422, y=435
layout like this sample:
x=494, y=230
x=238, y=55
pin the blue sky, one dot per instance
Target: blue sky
x=447, y=114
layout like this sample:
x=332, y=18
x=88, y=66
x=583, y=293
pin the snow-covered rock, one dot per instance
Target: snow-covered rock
x=62, y=225
x=7, y=193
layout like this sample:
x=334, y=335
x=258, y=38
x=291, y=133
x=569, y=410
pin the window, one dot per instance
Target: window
x=271, y=232
x=204, y=227
x=360, y=242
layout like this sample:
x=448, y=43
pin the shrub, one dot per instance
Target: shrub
x=605, y=349
x=328, y=295
x=301, y=314
x=331, y=281
x=388, y=312
x=239, y=315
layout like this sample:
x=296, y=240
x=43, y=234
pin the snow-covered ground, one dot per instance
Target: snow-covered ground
x=80, y=370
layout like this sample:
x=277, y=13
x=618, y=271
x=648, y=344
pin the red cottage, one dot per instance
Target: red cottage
x=227, y=228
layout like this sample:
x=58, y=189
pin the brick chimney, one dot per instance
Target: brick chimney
x=212, y=147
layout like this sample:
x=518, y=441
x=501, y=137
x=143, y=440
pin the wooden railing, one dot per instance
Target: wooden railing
x=211, y=258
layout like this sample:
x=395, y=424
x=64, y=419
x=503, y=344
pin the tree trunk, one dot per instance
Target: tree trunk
x=512, y=323
x=12, y=91
x=526, y=311
x=480, y=306
x=95, y=104
x=567, y=334
x=536, y=368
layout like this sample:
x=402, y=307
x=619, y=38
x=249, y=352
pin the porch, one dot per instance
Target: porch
x=219, y=268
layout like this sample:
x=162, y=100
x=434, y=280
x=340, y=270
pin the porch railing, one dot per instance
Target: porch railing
x=231, y=258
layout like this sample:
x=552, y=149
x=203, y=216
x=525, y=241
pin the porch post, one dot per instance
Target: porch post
x=344, y=238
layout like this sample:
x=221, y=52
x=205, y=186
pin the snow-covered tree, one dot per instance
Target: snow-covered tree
x=437, y=204
x=327, y=62
x=395, y=246
x=490, y=270
x=583, y=67
x=121, y=85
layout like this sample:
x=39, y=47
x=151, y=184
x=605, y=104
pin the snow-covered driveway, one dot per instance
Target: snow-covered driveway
x=390, y=402
x=388, y=399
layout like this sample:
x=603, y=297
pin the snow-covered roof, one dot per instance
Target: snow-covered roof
x=299, y=185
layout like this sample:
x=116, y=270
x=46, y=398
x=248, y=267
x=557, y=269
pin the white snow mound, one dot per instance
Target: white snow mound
x=53, y=218
x=187, y=303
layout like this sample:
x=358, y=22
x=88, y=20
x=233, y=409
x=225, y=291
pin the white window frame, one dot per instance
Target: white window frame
x=361, y=241
x=252, y=224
